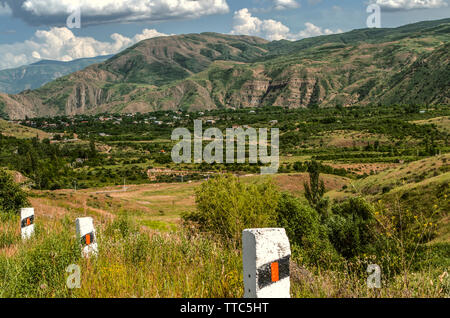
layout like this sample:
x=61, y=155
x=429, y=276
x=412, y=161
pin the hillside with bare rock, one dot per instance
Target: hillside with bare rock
x=210, y=70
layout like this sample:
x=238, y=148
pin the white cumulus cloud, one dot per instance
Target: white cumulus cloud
x=285, y=4
x=313, y=30
x=399, y=5
x=105, y=11
x=62, y=45
x=245, y=23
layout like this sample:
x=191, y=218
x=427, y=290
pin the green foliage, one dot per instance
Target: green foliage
x=12, y=197
x=364, y=90
x=162, y=158
x=315, y=190
x=300, y=221
x=227, y=206
x=3, y=113
x=315, y=96
x=432, y=256
x=351, y=227
x=305, y=231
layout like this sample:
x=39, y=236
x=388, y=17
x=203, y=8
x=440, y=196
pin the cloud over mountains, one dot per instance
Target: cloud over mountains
x=62, y=45
x=245, y=23
x=55, y=12
x=401, y=5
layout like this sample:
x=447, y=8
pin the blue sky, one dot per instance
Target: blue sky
x=31, y=30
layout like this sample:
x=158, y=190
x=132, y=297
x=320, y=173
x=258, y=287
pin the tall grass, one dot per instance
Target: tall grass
x=130, y=263
x=133, y=262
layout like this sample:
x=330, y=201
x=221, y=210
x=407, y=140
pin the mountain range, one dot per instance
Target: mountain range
x=16, y=80
x=405, y=65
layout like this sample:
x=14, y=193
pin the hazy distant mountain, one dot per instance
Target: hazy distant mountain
x=16, y=80
x=408, y=65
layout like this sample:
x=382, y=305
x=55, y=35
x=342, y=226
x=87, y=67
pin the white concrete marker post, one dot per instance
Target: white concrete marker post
x=266, y=256
x=27, y=222
x=87, y=236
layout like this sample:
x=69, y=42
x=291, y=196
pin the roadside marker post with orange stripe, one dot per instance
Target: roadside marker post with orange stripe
x=266, y=256
x=87, y=236
x=27, y=222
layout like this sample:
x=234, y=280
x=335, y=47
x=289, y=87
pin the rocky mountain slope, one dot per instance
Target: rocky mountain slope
x=204, y=71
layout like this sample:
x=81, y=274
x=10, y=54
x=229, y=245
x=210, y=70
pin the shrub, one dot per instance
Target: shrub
x=351, y=227
x=226, y=206
x=306, y=234
x=300, y=221
x=12, y=197
x=406, y=234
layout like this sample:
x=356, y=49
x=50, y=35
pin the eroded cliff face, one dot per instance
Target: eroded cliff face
x=84, y=97
x=294, y=88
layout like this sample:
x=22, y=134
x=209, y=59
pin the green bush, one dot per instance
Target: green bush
x=436, y=256
x=351, y=227
x=226, y=206
x=12, y=197
x=300, y=221
x=305, y=231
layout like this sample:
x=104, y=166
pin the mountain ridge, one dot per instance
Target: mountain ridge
x=35, y=75
x=210, y=70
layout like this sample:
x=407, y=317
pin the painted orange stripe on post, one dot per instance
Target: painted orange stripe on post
x=274, y=271
x=88, y=239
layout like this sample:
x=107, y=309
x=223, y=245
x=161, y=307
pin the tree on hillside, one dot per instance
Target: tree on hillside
x=92, y=149
x=315, y=189
x=12, y=197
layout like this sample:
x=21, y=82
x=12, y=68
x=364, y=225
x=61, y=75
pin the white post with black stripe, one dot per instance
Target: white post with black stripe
x=86, y=235
x=266, y=256
x=27, y=222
